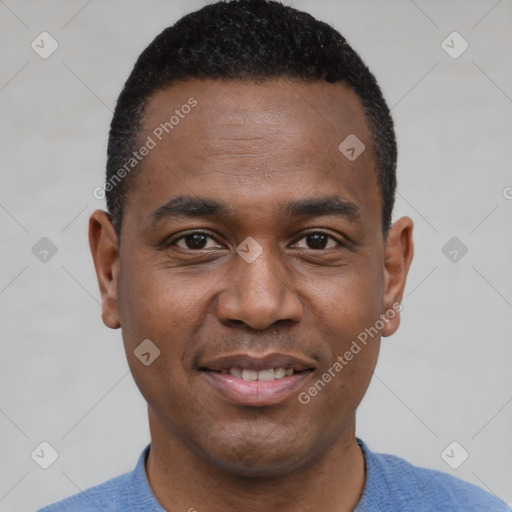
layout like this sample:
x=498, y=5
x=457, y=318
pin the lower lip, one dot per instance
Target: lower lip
x=257, y=392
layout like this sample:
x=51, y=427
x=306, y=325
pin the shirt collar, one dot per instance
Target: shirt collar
x=140, y=497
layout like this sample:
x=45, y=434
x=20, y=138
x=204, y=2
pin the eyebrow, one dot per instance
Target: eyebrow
x=187, y=206
x=322, y=206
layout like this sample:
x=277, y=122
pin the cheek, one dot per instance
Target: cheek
x=156, y=303
x=151, y=310
x=346, y=308
x=151, y=304
x=351, y=299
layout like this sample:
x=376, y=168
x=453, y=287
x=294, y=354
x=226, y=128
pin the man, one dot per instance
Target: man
x=249, y=258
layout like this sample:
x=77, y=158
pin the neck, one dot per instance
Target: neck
x=181, y=479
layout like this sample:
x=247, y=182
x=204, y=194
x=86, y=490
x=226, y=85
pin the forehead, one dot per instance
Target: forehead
x=255, y=143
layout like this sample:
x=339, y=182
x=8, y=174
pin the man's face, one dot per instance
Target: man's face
x=258, y=161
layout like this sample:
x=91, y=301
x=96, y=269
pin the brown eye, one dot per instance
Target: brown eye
x=195, y=241
x=318, y=240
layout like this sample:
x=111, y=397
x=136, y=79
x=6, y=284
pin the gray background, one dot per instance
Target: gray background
x=445, y=376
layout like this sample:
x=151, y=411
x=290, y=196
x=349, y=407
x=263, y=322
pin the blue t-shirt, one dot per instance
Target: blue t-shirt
x=392, y=484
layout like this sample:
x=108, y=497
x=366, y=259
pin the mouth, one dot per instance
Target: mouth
x=252, y=375
x=257, y=381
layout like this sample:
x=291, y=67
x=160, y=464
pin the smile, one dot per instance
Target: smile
x=257, y=381
x=270, y=374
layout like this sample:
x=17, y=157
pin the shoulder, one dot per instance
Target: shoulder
x=103, y=497
x=130, y=491
x=398, y=483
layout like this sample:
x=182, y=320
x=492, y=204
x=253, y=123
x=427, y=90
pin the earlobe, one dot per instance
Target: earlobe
x=105, y=253
x=398, y=255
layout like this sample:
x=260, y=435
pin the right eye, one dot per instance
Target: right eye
x=195, y=240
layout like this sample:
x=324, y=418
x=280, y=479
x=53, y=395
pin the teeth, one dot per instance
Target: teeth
x=251, y=375
x=279, y=373
x=266, y=374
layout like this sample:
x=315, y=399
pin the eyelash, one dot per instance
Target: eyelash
x=172, y=242
x=190, y=233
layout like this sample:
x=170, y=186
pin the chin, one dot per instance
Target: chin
x=254, y=465
x=258, y=456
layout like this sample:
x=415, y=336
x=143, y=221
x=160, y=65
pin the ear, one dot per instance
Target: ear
x=105, y=253
x=398, y=254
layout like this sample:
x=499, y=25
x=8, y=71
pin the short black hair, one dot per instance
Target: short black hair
x=249, y=40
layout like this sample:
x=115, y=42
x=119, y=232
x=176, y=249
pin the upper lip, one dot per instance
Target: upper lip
x=258, y=362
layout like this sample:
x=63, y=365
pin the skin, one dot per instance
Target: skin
x=257, y=148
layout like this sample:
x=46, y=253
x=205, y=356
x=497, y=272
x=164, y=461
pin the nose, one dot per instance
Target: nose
x=258, y=294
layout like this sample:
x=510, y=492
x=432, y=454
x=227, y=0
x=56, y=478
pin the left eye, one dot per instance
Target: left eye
x=196, y=240
x=319, y=240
